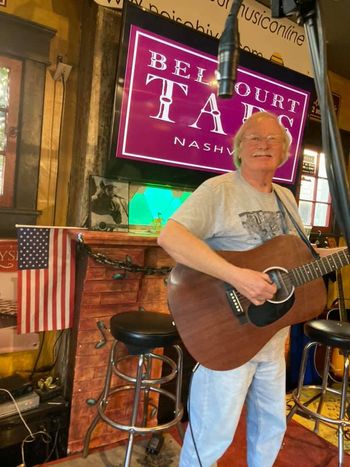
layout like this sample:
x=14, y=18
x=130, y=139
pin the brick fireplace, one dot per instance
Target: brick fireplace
x=98, y=297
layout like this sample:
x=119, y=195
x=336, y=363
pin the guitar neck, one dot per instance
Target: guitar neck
x=318, y=268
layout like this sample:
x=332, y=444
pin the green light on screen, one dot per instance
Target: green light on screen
x=150, y=202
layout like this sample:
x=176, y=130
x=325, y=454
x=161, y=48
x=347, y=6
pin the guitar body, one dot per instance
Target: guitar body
x=210, y=330
x=337, y=364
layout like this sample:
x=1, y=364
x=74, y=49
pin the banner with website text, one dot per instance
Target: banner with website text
x=279, y=40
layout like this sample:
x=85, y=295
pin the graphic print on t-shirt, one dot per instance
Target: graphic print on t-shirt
x=262, y=225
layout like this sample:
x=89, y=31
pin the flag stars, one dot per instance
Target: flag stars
x=33, y=246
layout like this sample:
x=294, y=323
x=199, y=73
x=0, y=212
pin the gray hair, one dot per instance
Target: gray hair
x=240, y=133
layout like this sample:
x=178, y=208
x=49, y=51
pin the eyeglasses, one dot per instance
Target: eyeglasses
x=270, y=139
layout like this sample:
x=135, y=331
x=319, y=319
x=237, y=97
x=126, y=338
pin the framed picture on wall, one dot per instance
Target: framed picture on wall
x=109, y=204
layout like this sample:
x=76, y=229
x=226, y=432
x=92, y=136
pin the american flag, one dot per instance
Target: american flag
x=46, y=279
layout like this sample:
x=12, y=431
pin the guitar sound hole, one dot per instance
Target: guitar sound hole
x=285, y=288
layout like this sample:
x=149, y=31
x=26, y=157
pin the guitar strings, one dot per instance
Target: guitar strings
x=300, y=275
x=286, y=279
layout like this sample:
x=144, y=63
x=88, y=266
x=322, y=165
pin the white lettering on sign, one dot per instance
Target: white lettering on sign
x=182, y=69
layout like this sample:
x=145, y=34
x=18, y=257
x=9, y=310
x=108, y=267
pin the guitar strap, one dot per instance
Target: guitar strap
x=302, y=235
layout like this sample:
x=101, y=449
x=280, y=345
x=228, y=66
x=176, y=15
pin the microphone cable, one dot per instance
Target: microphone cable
x=189, y=414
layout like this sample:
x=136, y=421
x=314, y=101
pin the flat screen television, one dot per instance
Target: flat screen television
x=169, y=126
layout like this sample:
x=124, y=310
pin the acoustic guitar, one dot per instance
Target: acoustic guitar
x=221, y=328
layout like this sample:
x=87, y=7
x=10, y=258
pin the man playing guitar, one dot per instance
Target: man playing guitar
x=237, y=211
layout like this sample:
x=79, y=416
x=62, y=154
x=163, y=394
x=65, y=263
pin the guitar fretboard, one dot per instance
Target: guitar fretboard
x=318, y=268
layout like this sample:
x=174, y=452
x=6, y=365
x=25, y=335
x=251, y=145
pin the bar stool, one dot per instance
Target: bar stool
x=141, y=333
x=332, y=334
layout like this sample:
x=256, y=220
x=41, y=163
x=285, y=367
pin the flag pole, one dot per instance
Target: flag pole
x=51, y=227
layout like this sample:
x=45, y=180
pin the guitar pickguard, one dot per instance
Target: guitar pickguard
x=283, y=300
x=268, y=313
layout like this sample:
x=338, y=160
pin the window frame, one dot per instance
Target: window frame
x=314, y=201
x=29, y=42
x=11, y=128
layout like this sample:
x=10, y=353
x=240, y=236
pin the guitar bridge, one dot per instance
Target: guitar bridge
x=235, y=304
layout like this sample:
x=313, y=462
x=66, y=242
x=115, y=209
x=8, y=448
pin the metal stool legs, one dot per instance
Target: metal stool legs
x=137, y=393
x=342, y=409
x=325, y=375
x=339, y=422
x=302, y=371
x=141, y=384
x=144, y=362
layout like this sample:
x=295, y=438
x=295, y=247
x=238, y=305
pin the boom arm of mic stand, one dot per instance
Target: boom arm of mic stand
x=336, y=169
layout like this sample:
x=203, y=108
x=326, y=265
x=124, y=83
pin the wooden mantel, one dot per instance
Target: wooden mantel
x=99, y=296
x=100, y=238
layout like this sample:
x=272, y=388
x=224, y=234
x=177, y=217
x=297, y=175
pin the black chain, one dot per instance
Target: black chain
x=127, y=265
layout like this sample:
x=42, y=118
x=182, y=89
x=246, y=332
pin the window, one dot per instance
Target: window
x=314, y=196
x=10, y=76
x=23, y=92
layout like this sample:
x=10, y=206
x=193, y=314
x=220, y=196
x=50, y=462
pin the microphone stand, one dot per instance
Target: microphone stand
x=308, y=13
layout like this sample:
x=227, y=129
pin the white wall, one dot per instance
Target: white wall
x=259, y=33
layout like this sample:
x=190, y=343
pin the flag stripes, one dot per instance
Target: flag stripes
x=45, y=294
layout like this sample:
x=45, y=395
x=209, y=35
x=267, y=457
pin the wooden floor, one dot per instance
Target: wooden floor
x=301, y=448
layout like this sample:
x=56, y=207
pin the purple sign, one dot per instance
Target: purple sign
x=171, y=115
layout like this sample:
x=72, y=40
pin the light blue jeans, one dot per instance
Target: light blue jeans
x=215, y=406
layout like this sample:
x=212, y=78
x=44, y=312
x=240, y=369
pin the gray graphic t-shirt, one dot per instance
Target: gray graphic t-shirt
x=229, y=214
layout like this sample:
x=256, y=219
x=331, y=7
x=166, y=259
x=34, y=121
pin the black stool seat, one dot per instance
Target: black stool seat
x=329, y=332
x=144, y=330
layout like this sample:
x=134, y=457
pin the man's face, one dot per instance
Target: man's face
x=262, y=146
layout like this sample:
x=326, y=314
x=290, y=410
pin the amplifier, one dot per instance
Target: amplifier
x=27, y=402
x=16, y=385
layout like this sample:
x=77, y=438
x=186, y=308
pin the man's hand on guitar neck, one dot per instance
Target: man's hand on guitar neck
x=187, y=249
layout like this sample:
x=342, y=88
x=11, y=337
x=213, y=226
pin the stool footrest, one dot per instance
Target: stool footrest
x=135, y=428
x=312, y=413
x=147, y=382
